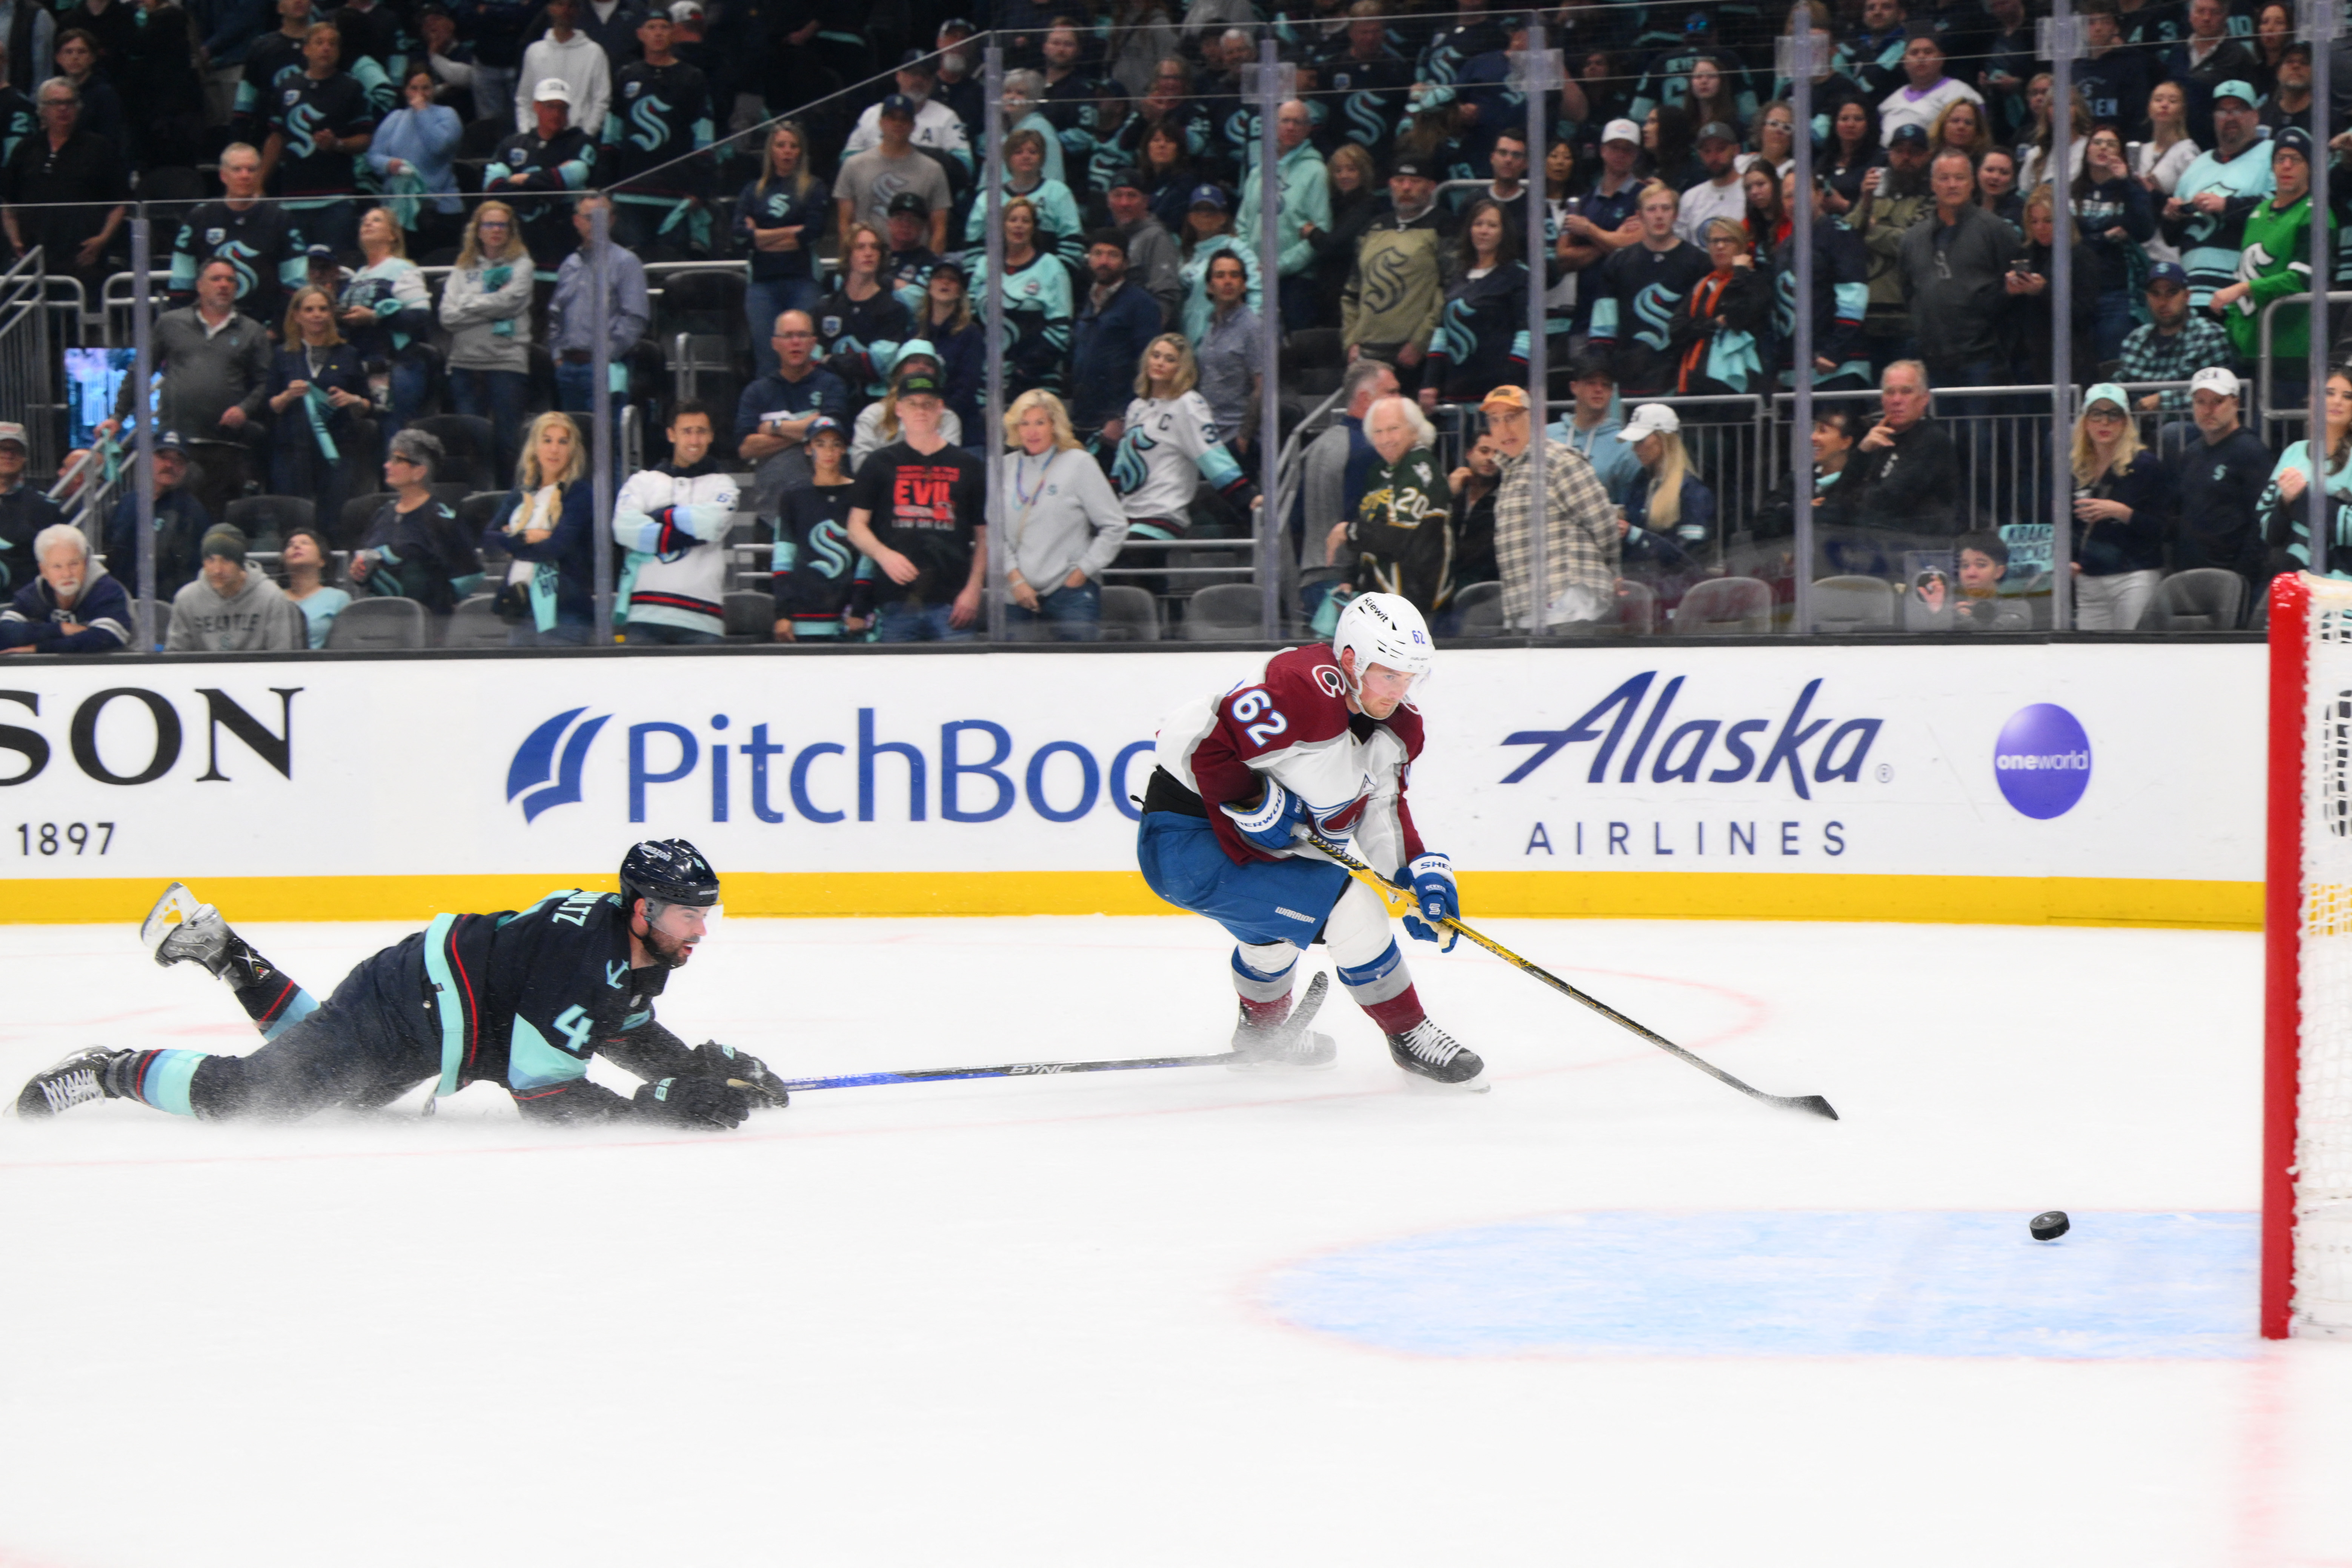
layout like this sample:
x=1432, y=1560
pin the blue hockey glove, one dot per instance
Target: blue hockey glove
x=1270, y=823
x=1431, y=879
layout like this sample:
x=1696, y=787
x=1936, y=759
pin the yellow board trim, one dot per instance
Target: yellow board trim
x=1485, y=895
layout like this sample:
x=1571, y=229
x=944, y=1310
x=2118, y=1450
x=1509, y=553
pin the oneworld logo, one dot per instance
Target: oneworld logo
x=2043, y=760
x=1805, y=749
x=535, y=769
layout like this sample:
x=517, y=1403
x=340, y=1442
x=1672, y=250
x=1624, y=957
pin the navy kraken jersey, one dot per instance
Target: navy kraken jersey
x=264, y=243
x=523, y=999
x=307, y=105
x=1635, y=294
x=660, y=115
x=814, y=564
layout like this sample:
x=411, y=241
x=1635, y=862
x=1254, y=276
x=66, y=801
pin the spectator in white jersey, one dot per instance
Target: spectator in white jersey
x=673, y=520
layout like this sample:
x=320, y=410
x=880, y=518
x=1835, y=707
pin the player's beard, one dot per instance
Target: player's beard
x=670, y=952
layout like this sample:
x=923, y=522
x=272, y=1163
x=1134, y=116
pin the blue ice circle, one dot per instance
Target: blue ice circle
x=1784, y=1283
x=2043, y=760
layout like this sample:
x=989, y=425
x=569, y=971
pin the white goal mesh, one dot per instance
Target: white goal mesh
x=2323, y=1138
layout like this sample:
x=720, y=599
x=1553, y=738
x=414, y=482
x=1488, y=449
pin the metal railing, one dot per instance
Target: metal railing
x=26, y=364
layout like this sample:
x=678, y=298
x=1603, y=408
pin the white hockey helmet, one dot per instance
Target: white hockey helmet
x=1384, y=628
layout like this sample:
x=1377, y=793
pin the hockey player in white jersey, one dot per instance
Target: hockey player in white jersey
x=1321, y=737
x=672, y=519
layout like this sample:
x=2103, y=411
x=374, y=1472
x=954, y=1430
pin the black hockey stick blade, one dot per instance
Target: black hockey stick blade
x=1812, y=1104
x=1300, y=1016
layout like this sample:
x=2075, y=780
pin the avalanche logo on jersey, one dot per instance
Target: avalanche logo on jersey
x=650, y=132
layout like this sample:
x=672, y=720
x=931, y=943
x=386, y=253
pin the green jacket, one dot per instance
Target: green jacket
x=1397, y=292
x=2276, y=261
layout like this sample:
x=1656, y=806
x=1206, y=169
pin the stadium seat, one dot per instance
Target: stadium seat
x=467, y=438
x=378, y=624
x=1224, y=612
x=701, y=302
x=351, y=528
x=1724, y=607
x=750, y=615
x=1128, y=614
x=1637, y=609
x=2203, y=599
x=1850, y=605
x=159, y=617
x=475, y=624
x=266, y=519
x=1480, y=609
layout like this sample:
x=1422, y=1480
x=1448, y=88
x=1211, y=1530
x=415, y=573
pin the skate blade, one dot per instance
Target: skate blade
x=1416, y=1084
x=1326, y=1058
x=175, y=909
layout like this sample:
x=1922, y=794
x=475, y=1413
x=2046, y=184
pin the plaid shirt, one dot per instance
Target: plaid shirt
x=2149, y=356
x=1579, y=531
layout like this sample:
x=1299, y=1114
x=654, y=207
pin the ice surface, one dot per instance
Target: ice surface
x=1612, y=1313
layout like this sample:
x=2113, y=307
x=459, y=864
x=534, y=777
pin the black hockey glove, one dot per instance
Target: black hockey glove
x=741, y=1068
x=694, y=1102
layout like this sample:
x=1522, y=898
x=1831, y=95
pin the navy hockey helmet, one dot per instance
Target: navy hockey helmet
x=667, y=871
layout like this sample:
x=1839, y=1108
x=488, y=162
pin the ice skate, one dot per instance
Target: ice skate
x=1290, y=1043
x=179, y=928
x=76, y=1080
x=1429, y=1053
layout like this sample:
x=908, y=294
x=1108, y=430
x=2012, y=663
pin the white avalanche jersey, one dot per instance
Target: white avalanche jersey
x=1290, y=722
x=674, y=525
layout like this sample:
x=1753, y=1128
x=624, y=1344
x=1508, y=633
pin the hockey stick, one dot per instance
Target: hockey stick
x=1301, y=1016
x=1394, y=896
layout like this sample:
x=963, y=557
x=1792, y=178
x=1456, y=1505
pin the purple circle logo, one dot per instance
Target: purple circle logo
x=2043, y=760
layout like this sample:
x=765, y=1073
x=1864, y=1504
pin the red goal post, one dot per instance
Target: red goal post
x=2306, y=1262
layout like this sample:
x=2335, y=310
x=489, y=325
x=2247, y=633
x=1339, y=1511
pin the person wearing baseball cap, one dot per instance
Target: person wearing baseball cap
x=2221, y=472
x=1580, y=527
x=1721, y=193
x=181, y=523
x=569, y=55
x=2175, y=343
x=2275, y=262
x=920, y=513
x=930, y=122
x=2206, y=216
x=2123, y=502
x=24, y=510
x=550, y=156
x=891, y=163
x=1406, y=246
x=811, y=581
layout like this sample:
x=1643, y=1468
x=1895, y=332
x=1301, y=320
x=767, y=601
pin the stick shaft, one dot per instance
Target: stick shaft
x=1378, y=884
x=1011, y=1069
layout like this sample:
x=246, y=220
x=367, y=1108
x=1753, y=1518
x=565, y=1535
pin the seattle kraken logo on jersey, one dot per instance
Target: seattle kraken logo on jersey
x=1364, y=117
x=829, y=543
x=1654, y=307
x=1128, y=470
x=535, y=764
x=649, y=131
x=302, y=122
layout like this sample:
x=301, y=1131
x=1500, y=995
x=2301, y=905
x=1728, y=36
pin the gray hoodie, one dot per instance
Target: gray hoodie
x=258, y=616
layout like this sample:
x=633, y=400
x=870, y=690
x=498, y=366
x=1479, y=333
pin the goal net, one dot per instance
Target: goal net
x=2307, y=925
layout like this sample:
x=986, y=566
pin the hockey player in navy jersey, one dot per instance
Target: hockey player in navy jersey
x=1321, y=738
x=519, y=999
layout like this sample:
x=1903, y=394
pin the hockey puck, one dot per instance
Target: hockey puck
x=2049, y=1226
